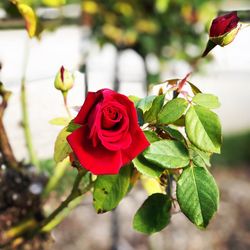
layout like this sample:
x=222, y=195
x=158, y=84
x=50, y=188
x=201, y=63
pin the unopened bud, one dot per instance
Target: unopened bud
x=64, y=80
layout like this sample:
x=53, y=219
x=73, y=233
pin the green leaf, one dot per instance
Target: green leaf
x=72, y=126
x=203, y=129
x=167, y=154
x=207, y=100
x=172, y=111
x=110, y=189
x=62, y=148
x=151, y=136
x=198, y=195
x=199, y=157
x=153, y=215
x=147, y=168
x=151, y=115
x=60, y=121
x=145, y=103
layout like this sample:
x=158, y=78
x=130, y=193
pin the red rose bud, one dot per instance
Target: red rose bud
x=222, y=31
x=109, y=136
x=64, y=80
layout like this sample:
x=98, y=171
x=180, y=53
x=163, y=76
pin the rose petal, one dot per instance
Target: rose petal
x=91, y=99
x=97, y=160
x=138, y=144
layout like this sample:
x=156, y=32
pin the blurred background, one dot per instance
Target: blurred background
x=129, y=45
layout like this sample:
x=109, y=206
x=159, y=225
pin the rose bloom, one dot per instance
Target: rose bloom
x=110, y=136
x=224, y=24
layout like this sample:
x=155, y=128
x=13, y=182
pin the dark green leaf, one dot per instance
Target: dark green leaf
x=198, y=195
x=207, y=100
x=151, y=115
x=172, y=111
x=62, y=148
x=195, y=90
x=203, y=129
x=72, y=126
x=140, y=116
x=153, y=215
x=174, y=133
x=167, y=154
x=147, y=168
x=110, y=189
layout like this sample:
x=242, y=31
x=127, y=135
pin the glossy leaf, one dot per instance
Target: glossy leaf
x=198, y=195
x=147, y=168
x=110, y=189
x=62, y=148
x=167, y=154
x=146, y=103
x=199, y=157
x=151, y=115
x=207, y=100
x=172, y=111
x=153, y=215
x=203, y=129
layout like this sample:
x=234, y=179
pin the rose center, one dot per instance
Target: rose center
x=110, y=117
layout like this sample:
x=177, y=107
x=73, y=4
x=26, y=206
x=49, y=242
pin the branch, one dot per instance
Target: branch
x=5, y=147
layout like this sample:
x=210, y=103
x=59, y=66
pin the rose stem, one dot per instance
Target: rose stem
x=75, y=193
x=25, y=116
x=65, y=101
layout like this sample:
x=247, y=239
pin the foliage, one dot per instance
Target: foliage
x=165, y=28
x=176, y=153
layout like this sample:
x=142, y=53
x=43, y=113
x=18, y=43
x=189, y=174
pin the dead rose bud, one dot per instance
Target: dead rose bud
x=223, y=31
x=64, y=80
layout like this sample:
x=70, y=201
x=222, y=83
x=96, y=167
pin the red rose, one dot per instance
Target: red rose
x=224, y=24
x=110, y=135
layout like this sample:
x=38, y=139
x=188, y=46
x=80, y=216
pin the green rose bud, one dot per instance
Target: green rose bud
x=64, y=80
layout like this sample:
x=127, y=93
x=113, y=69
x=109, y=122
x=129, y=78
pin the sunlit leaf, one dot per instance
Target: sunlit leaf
x=203, y=128
x=198, y=195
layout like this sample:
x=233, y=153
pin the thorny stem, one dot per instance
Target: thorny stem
x=25, y=115
x=75, y=192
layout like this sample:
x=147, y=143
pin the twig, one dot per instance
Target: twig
x=5, y=147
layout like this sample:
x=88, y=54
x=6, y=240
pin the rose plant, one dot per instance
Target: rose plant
x=116, y=141
x=166, y=138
